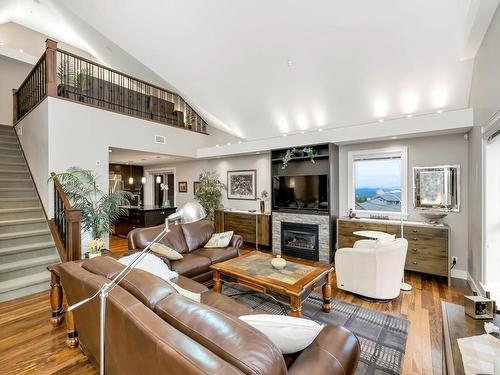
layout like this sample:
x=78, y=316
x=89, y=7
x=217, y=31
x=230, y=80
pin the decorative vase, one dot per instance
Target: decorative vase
x=279, y=263
x=93, y=255
x=262, y=207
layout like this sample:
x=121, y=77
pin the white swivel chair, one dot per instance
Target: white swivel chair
x=371, y=268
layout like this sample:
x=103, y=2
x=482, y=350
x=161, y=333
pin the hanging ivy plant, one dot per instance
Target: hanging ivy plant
x=309, y=151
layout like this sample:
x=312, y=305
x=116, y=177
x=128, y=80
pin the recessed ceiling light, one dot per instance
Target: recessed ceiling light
x=110, y=151
x=439, y=111
x=1, y=43
x=409, y=116
x=302, y=132
x=240, y=142
x=228, y=143
x=216, y=145
x=21, y=50
x=320, y=129
x=284, y=135
x=380, y=120
x=394, y=137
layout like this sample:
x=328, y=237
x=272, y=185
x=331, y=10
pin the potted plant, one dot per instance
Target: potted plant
x=293, y=152
x=209, y=192
x=95, y=247
x=99, y=209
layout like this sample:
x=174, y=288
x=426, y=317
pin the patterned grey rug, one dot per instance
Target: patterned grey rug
x=382, y=337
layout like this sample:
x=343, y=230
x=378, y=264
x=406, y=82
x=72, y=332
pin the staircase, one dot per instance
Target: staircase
x=26, y=245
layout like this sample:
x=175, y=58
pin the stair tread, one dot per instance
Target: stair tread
x=26, y=248
x=13, y=171
x=28, y=233
x=22, y=209
x=16, y=179
x=30, y=262
x=24, y=281
x=14, y=199
x=31, y=220
x=18, y=189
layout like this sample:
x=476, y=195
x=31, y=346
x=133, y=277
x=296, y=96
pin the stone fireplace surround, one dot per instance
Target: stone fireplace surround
x=323, y=222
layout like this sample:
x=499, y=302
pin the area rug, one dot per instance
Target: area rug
x=382, y=336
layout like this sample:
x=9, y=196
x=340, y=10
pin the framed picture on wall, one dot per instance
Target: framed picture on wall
x=195, y=186
x=242, y=184
x=183, y=186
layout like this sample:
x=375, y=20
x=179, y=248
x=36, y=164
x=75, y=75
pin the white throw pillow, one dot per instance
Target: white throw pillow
x=220, y=239
x=166, y=251
x=152, y=264
x=289, y=334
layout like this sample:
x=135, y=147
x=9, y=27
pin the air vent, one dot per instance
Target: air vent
x=160, y=139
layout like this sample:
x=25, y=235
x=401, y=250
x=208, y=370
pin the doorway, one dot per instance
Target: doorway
x=163, y=189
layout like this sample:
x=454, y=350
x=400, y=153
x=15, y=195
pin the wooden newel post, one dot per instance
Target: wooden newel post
x=73, y=234
x=14, y=106
x=51, y=67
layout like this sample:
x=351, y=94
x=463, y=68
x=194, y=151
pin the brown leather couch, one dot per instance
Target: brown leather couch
x=188, y=239
x=151, y=329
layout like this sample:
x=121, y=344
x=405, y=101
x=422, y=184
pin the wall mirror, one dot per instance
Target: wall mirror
x=437, y=188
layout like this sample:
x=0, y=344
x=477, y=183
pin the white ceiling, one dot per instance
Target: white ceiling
x=262, y=68
x=132, y=157
x=268, y=67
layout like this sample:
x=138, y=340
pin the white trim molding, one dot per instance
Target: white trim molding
x=389, y=152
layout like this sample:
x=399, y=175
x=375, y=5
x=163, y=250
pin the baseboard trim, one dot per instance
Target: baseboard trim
x=459, y=274
x=476, y=287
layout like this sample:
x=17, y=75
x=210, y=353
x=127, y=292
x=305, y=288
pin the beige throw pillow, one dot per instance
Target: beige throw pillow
x=220, y=239
x=166, y=251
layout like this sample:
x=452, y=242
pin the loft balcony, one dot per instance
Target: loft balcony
x=61, y=74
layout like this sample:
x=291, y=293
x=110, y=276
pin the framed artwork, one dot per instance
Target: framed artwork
x=242, y=184
x=195, y=186
x=183, y=186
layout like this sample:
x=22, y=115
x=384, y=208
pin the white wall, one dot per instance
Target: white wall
x=33, y=134
x=12, y=74
x=425, y=151
x=485, y=99
x=80, y=135
x=189, y=171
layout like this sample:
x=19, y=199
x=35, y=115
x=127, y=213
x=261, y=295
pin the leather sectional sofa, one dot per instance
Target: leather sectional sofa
x=152, y=330
x=188, y=239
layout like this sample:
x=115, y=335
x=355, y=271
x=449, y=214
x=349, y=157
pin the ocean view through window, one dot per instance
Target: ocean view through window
x=377, y=184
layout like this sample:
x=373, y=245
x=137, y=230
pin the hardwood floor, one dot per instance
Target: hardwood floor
x=30, y=345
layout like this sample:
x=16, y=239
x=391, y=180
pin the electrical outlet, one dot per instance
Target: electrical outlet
x=454, y=260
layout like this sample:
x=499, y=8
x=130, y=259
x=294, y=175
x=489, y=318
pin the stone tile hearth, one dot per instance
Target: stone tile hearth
x=323, y=222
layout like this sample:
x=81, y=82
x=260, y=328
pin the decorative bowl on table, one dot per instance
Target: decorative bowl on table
x=433, y=217
x=279, y=263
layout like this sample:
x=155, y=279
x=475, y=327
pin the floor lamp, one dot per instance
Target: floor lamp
x=188, y=213
x=404, y=286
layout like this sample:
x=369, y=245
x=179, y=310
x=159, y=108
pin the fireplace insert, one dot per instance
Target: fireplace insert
x=300, y=240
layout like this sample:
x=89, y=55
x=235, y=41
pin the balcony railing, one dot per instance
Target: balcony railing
x=62, y=74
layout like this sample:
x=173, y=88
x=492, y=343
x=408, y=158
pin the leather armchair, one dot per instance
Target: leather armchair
x=371, y=269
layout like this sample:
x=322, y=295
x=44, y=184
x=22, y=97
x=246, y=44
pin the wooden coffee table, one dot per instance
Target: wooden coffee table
x=290, y=286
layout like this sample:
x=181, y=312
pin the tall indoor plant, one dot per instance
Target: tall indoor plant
x=99, y=209
x=209, y=192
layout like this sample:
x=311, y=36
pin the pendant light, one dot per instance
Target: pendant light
x=143, y=180
x=158, y=179
x=130, y=179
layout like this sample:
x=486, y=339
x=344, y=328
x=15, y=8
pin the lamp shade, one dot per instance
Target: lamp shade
x=190, y=212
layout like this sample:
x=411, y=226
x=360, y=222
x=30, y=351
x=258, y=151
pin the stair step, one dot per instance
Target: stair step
x=25, y=267
x=23, y=286
x=9, y=144
x=30, y=233
x=22, y=225
x=7, y=132
x=25, y=237
x=14, y=166
x=16, y=183
x=20, y=213
x=17, y=192
x=17, y=202
x=16, y=253
x=6, y=173
x=10, y=151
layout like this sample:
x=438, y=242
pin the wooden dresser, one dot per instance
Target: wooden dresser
x=254, y=227
x=428, y=245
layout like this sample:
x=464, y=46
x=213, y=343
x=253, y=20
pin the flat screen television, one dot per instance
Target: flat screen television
x=300, y=192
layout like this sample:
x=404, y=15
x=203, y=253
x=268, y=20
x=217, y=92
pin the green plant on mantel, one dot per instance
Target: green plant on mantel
x=209, y=192
x=290, y=153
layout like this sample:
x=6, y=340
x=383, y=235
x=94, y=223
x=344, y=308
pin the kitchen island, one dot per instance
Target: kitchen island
x=141, y=217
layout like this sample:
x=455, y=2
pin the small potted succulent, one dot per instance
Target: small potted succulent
x=95, y=247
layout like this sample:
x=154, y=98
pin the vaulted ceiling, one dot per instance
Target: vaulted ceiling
x=263, y=68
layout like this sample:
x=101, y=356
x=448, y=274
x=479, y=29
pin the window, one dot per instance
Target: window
x=377, y=182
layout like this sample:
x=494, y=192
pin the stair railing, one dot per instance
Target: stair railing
x=66, y=226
